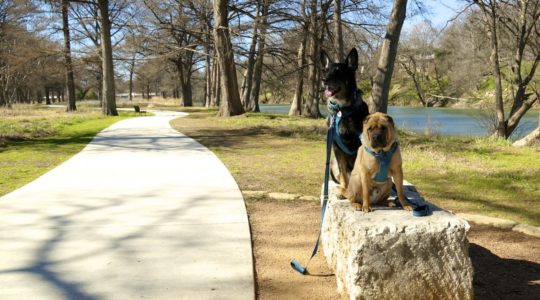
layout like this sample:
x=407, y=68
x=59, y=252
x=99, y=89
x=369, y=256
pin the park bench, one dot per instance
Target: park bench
x=138, y=109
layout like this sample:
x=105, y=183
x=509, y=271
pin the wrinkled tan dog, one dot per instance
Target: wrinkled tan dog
x=377, y=162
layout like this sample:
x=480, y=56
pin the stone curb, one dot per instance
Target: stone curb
x=283, y=196
x=502, y=223
x=278, y=196
x=254, y=194
x=527, y=229
x=485, y=220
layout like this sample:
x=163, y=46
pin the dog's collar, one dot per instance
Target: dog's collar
x=347, y=110
x=384, y=158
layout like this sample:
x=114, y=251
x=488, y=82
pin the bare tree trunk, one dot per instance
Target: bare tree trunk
x=3, y=101
x=230, y=104
x=71, y=106
x=248, y=79
x=99, y=87
x=527, y=35
x=206, y=89
x=109, y=101
x=217, y=86
x=187, y=94
x=311, y=108
x=208, y=77
x=47, y=96
x=185, y=82
x=518, y=58
x=253, y=104
x=187, y=88
x=214, y=82
x=514, y=119
x=337, y=30
x=490, y=18
x=209, y=68
x=131, y=73
x=39, y=97
x=385, y=67
x=531, y=138
x=296, y=105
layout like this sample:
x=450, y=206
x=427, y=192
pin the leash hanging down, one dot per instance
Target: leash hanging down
x=329, y=139
x=332, y=135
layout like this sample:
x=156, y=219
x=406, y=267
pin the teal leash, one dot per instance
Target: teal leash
x=329, y=139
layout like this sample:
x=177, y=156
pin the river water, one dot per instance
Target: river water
x=441, y=121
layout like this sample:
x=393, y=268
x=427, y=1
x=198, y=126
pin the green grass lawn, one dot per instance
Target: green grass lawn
x=278, y=153
x=476, y=175
x=34, y=140
x=268, y=152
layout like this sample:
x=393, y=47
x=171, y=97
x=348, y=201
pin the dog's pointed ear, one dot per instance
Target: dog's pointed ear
x=325, y=60
x=352, y=59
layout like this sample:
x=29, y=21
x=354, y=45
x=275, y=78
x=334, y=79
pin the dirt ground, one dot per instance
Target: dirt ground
x=506, y=263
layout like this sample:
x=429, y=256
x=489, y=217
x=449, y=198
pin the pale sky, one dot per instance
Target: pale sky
x=440, y=11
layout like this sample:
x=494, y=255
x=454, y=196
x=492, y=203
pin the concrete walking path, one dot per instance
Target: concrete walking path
x=142, y=212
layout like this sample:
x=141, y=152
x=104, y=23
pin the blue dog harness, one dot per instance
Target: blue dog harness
x=341, y=112
x=384, y=158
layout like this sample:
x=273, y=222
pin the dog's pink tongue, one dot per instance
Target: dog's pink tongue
x=328, y=92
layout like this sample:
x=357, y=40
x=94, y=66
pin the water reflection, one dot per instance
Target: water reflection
x=441, y=121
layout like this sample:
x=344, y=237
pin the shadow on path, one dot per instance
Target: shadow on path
x=500, y=278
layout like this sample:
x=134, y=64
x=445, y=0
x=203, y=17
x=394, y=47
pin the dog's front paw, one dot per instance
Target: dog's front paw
x=341, y=193
x=407, y=207
x=366, y=209
x=357, y=206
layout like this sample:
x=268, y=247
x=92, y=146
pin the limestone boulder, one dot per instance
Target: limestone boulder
x=390, y=254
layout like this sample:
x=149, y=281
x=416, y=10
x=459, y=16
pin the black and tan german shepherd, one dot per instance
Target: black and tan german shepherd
x=345, y=102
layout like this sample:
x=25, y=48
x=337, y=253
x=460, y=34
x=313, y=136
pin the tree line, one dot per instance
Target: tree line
x=234, y=54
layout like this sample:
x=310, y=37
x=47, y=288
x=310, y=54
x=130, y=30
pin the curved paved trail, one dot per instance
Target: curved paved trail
x=142, y=212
